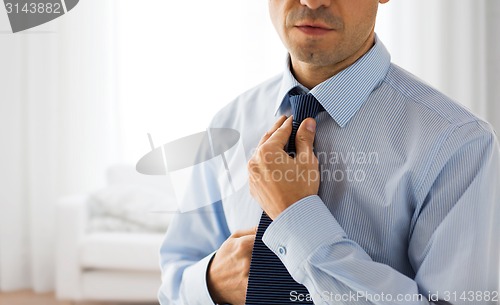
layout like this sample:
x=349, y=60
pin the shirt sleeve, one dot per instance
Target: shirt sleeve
x=453, y=246
x=190, y=242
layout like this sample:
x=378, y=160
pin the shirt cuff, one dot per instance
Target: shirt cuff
x=301, y=229
x=194, y=280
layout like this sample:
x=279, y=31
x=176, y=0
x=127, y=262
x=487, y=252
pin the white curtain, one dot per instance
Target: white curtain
x=57, y=131
x=81, y=92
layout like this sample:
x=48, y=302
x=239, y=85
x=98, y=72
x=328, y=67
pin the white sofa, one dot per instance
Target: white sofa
x=107, y=265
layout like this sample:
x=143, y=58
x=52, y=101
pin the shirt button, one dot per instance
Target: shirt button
x=282, y=250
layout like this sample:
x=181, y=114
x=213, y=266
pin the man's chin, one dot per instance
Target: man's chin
x=312, y=56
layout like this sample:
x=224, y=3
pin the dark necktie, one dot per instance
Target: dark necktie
x=269, y=281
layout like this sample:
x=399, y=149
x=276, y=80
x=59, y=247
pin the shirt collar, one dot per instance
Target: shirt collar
x=343, y=94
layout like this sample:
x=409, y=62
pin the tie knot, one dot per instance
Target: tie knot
x=304, y=106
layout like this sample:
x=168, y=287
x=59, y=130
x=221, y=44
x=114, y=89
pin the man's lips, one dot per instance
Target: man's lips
x=313, y=28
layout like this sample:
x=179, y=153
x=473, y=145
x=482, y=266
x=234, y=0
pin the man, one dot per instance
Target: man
x=392, y=196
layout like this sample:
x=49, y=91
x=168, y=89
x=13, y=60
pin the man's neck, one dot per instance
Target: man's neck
x=311, y=75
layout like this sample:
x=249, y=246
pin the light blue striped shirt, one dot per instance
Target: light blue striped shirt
x=408, y=205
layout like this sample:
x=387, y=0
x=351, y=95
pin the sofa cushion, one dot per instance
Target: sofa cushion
x=121, y=251
x=130, y=208
x=132, y=287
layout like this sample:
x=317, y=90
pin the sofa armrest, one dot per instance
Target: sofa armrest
x=71, y=223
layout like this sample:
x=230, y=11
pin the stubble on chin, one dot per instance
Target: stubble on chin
x=311, y=50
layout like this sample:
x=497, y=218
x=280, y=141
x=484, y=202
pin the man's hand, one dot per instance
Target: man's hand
x=278, y=180
x=227, y=276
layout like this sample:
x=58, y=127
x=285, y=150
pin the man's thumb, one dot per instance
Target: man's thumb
x=305, y=136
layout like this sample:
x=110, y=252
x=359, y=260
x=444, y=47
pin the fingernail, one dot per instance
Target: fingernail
x=311, y=125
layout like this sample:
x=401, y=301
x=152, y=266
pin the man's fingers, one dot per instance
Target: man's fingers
x=246, y=232
x=275, y=127
x=248, y=241
x=304, y=139
x=246, y=246
x=282, y=134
